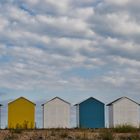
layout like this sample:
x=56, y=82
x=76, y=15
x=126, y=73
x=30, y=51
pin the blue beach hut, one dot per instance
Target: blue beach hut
x=90, y=113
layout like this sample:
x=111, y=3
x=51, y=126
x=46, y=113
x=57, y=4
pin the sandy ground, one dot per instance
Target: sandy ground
x=63, y=134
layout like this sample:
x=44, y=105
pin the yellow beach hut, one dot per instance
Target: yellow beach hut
x=21, y=114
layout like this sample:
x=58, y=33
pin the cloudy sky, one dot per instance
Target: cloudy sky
x=73, y=49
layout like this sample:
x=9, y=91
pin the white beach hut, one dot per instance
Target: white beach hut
x=124, y=111
x=56, y=113
x=0, y=115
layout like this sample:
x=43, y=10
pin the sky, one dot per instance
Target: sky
x=73, y=49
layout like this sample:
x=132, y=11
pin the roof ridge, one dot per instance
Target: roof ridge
x=20, y=98
x=122, y=98
x=54, y=99
x=88, y=99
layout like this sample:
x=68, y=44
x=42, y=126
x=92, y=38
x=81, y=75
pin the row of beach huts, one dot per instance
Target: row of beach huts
x=90, y=113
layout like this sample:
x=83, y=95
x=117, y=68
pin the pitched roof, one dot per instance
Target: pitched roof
x=21, y=98
x=54, y=99
x=86, y=100
x=121, y=99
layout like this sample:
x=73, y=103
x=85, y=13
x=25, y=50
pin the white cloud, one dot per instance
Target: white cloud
x=123, y=24
x=3, y=23
x=125, y=61
x=88, y=45
x=118, y=2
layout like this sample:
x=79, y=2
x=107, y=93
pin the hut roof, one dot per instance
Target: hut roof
x=54, y=99
x=88, y=99
x=121, y=99
x=21, y=98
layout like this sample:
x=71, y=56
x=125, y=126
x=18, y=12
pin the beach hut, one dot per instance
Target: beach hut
x=56, y=113
x=90, y=114
x=21, y=114
x=124, y=111
x=0, y=114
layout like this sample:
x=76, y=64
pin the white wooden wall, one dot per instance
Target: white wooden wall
x=56, y=114
x=77, y=116
x=125, y=111
x=111, y=116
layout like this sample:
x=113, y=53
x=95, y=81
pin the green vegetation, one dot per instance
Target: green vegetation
x=131, y=137
x=125, y=129
x=17, y=130
x=135, y=137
